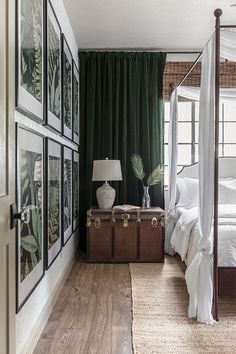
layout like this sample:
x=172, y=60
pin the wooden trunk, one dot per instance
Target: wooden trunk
x=132, y=236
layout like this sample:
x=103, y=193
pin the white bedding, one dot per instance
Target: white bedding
x=186, y=236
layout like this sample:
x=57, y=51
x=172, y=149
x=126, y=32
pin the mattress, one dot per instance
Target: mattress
x=186, y=235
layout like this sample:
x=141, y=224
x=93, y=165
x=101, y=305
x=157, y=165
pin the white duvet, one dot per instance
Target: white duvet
x=185, y=238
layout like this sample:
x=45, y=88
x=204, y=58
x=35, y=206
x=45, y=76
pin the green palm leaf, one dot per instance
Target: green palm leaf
x=156, y=176
x=137, y=166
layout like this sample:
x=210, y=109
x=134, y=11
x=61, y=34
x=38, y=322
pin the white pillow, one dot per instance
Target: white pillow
x=227, y=192
x=188, y=192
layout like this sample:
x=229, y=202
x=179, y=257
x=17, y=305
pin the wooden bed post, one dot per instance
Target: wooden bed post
x=217, y=13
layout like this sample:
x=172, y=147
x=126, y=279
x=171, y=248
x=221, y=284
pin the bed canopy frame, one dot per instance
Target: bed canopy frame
x=217, y=93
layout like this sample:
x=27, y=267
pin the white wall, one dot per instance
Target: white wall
x=63, y=19
x=34, y=314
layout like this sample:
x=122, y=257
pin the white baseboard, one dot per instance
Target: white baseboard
x=38, y=328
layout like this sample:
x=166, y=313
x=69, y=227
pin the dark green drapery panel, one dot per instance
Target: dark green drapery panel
x=121, y=112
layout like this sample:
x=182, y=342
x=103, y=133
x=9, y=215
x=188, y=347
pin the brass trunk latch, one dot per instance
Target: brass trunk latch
x=97, y=223
x=89, y=215
x=125, y=218
x=154, y=223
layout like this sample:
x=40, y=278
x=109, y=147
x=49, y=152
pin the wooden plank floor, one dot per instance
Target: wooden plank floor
x=92, y=313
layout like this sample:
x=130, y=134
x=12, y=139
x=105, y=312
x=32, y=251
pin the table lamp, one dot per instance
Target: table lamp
x=106, y=170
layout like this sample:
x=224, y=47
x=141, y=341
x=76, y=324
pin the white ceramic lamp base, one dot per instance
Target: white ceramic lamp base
x=105, y=196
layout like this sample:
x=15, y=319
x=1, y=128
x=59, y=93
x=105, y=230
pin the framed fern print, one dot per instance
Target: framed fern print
x=54, y=116
x=67, y=194
x=67, y=89
x=53, y=201
x=75, y=190
x=75, y=104
x=30, y=59
x=30, y=200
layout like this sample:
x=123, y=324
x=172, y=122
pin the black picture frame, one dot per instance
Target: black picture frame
x=30, y=54
x=67, y=68
x=66, y=220
x=75, y=189
x=30, y=246
x=53, y=211
x=75, y=103
x=53, y=69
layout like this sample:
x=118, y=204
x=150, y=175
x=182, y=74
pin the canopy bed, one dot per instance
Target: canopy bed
x=210, y=176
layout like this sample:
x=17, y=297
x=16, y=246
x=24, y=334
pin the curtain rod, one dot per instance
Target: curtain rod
x=137, y=50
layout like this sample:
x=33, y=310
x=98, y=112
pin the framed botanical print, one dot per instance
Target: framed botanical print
x=53, y=30
x=75, y=103
x=30, y=59
x=67, y=89
x=67, y=194
x=75, y=190
x=53, y=201
x=30, y=199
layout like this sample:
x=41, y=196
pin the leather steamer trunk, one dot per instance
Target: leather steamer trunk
x=132, y=236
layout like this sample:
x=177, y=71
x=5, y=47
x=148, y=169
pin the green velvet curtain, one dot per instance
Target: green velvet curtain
x=121, y=113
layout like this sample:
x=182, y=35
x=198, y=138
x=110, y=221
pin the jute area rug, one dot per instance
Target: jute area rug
x=160, y=324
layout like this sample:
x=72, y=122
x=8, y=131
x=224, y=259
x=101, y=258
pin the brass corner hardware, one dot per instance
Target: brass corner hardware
x=154, y=223
x=97, y=223
x=125, y=218
x=89, y=216
x=138, y=217
x=113, y=220
x=162, y=220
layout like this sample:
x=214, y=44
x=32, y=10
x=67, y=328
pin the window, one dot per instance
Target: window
x=188, y=133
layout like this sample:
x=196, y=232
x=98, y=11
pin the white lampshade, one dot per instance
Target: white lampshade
x=107, y=170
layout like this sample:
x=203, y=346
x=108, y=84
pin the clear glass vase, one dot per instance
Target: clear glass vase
x=146, y=201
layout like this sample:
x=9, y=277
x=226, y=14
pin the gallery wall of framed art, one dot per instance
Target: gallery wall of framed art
x=75, y=103
x=67, y=194
x=30, y=200
x=53, y=200
x=30, y=58
x=47, y=99
x=67, y=62
x=54, y=70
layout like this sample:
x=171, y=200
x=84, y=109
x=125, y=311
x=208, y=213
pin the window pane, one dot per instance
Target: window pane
x=185, y=111
x=196, y=132
x=196, y=153
x=166, y=176
x=167, y=111
x=166, y=132
x=184, y=132
x=184, y=155
x=230, y=132
x=220, y=150
x=166, y=156
x=230, y=150
x=196, y=111
x=230, y=111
